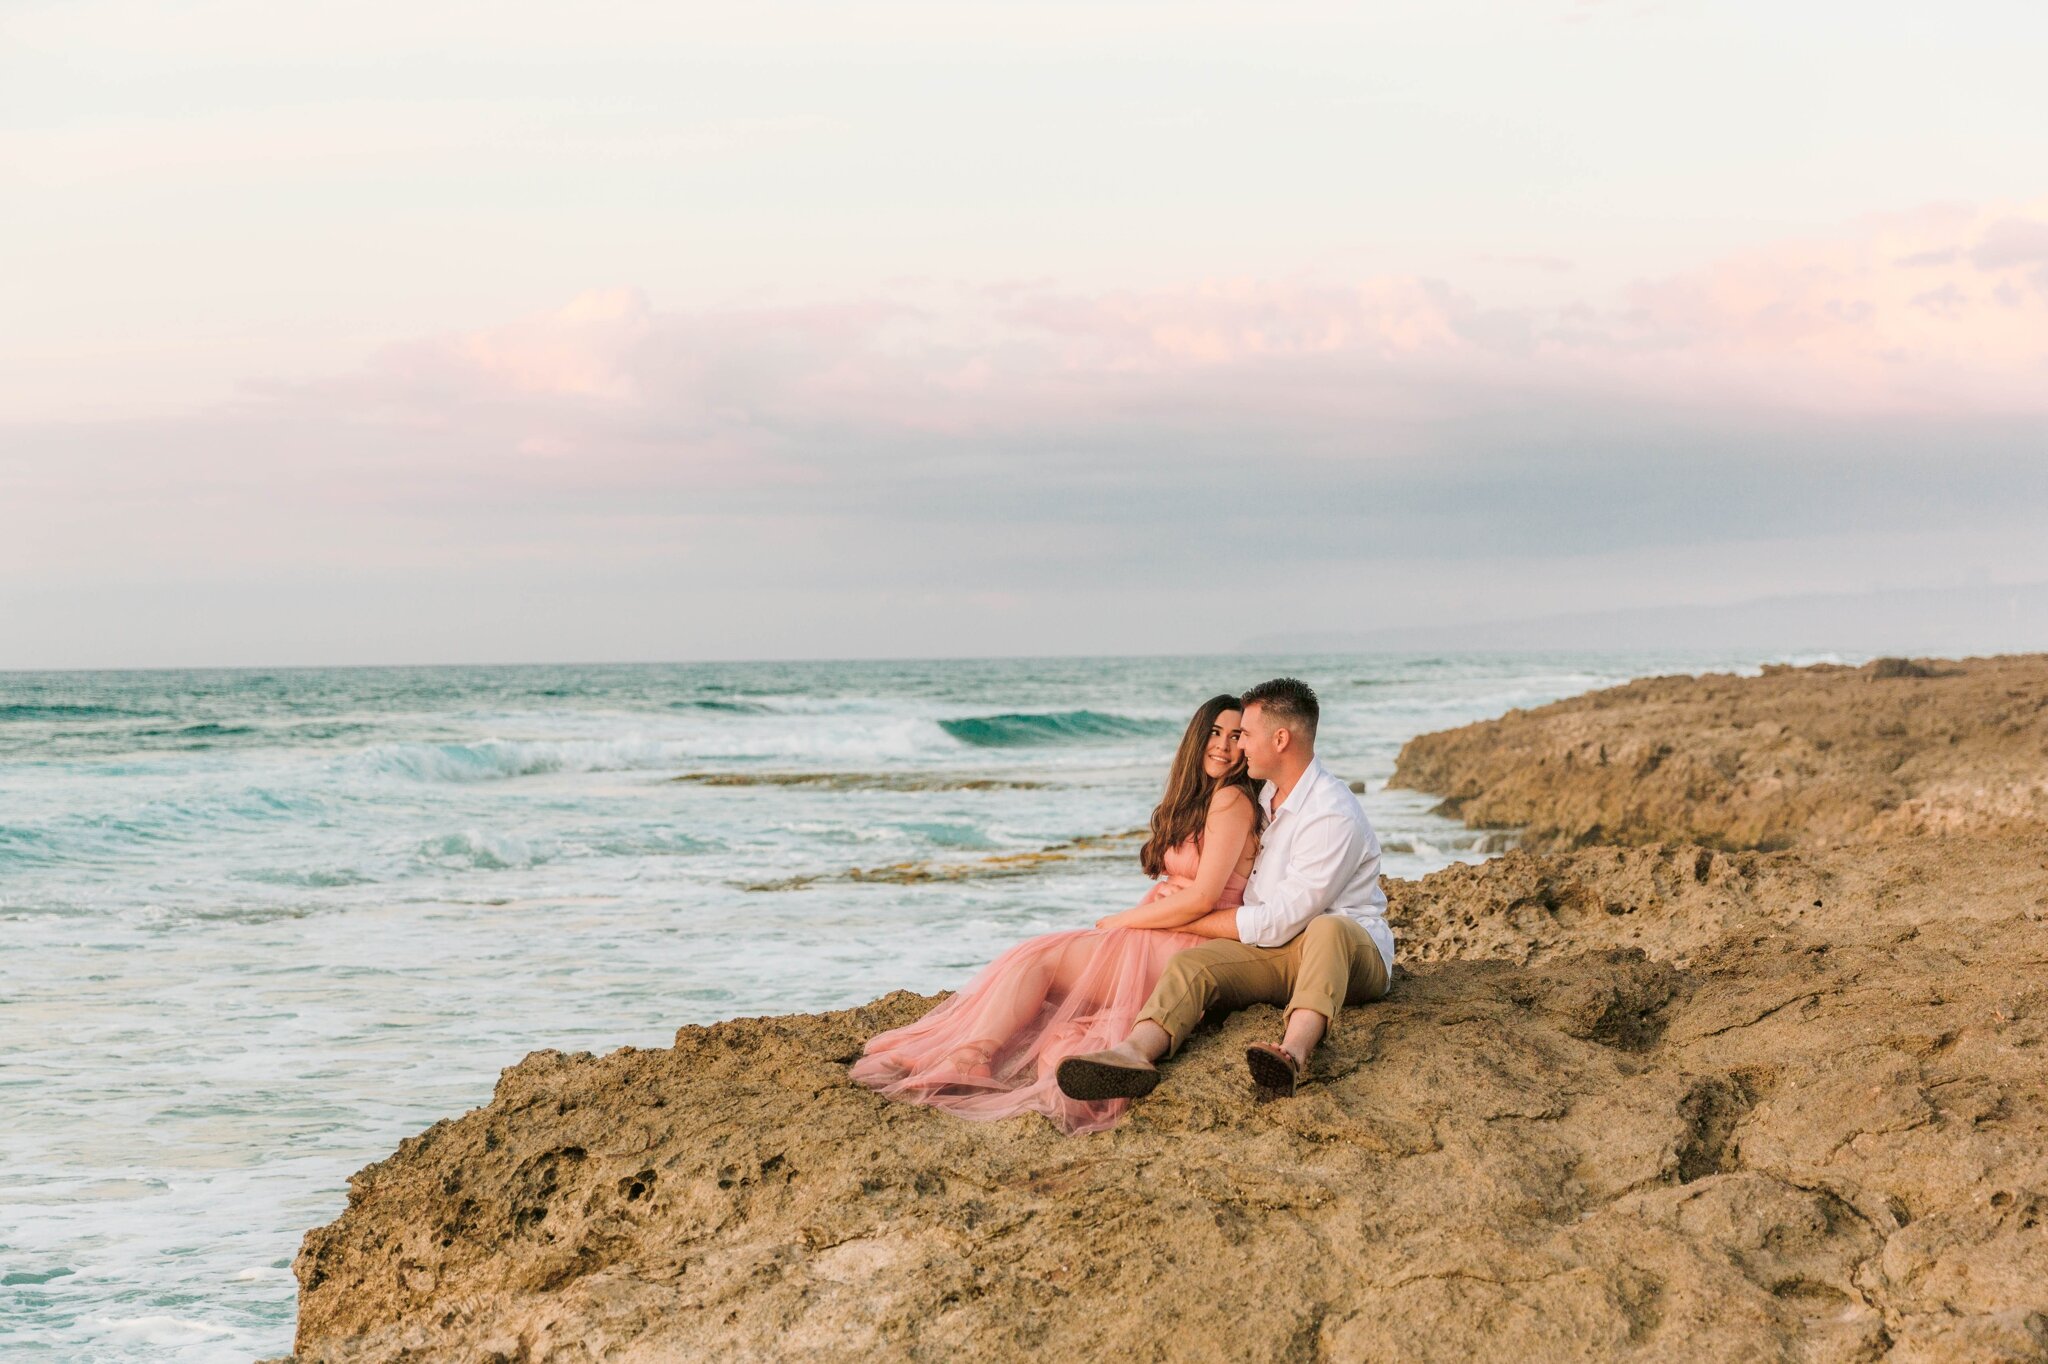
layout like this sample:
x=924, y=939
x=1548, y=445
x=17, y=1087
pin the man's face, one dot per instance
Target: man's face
x=1261, y=744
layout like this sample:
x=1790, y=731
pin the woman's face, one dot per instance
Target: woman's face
x=1220, y=754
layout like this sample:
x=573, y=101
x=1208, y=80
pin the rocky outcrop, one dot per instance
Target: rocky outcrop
x=1798, y=756
x=1625, y=1102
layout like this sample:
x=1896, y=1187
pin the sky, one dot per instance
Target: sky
x=437, y=332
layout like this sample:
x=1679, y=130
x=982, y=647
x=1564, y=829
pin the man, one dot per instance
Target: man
x=1312, y=934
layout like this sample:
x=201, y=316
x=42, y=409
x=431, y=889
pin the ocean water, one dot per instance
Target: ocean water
x=256, y=926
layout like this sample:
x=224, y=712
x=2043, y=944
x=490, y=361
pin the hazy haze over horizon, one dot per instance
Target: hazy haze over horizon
x=447, y=333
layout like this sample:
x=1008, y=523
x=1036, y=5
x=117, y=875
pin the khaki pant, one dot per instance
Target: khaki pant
x=1331, y=963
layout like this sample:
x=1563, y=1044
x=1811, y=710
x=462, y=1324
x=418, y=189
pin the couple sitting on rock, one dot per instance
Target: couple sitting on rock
x=1268, y=893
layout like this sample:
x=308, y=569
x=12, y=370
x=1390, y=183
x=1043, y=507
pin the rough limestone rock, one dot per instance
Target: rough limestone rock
x=1644, y=1102
x=1799, y=756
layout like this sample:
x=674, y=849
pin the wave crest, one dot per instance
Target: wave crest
x=474, y=848
x=1050, y=727
x=497, y=759
x=26, y=710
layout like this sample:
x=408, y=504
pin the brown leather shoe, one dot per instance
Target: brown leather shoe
x=1101, y=1075
x=1274, y=1069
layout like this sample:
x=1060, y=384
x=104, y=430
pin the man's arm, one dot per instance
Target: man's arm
x=1324, y=855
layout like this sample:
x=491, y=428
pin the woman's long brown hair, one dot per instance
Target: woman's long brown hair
x=1185, y=808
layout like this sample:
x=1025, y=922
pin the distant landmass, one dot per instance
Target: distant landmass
x=1952, y=621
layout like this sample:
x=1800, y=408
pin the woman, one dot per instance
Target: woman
x=990, y=1050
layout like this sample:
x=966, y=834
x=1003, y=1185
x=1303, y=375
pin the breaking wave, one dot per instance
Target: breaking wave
x=497, y=759
x=1051, y=727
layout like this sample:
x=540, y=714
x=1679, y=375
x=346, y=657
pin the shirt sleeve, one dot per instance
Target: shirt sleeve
x=1319, y=864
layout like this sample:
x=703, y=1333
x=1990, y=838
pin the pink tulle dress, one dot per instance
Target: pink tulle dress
x=1041, y=1001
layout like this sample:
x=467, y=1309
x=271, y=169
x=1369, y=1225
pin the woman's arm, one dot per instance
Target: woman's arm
x=1223, y=835
x=1217, y=923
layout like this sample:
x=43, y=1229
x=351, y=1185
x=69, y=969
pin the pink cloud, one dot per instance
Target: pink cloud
x=2011, y=241
x=611, y=429
x=1943, y=311
x=1235, y=321
x=582, y=350
x=1895, y=314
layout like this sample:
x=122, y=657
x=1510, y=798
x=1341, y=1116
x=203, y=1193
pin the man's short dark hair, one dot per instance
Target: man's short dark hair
x=1291, y=703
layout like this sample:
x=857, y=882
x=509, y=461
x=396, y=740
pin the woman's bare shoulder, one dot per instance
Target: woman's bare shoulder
x=1229, y=798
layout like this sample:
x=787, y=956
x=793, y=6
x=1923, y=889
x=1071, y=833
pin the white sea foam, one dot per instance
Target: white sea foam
x=475, y=848
x=160, y=1329
x=498, y=759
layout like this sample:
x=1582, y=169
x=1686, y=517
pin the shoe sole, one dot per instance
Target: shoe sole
x=1270, y=1072
x=1092, y=1081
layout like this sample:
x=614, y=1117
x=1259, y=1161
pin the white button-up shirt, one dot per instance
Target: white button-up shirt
x=1318, y=855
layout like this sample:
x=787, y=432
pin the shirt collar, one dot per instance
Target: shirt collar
x=1309, y=775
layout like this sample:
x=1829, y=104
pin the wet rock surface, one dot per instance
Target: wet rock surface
x=1625, y=1102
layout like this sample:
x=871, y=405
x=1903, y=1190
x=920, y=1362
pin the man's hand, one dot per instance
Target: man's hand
x=1112, y=920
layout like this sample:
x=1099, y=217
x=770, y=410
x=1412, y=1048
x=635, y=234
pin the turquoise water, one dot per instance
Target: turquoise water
x=256, y=926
